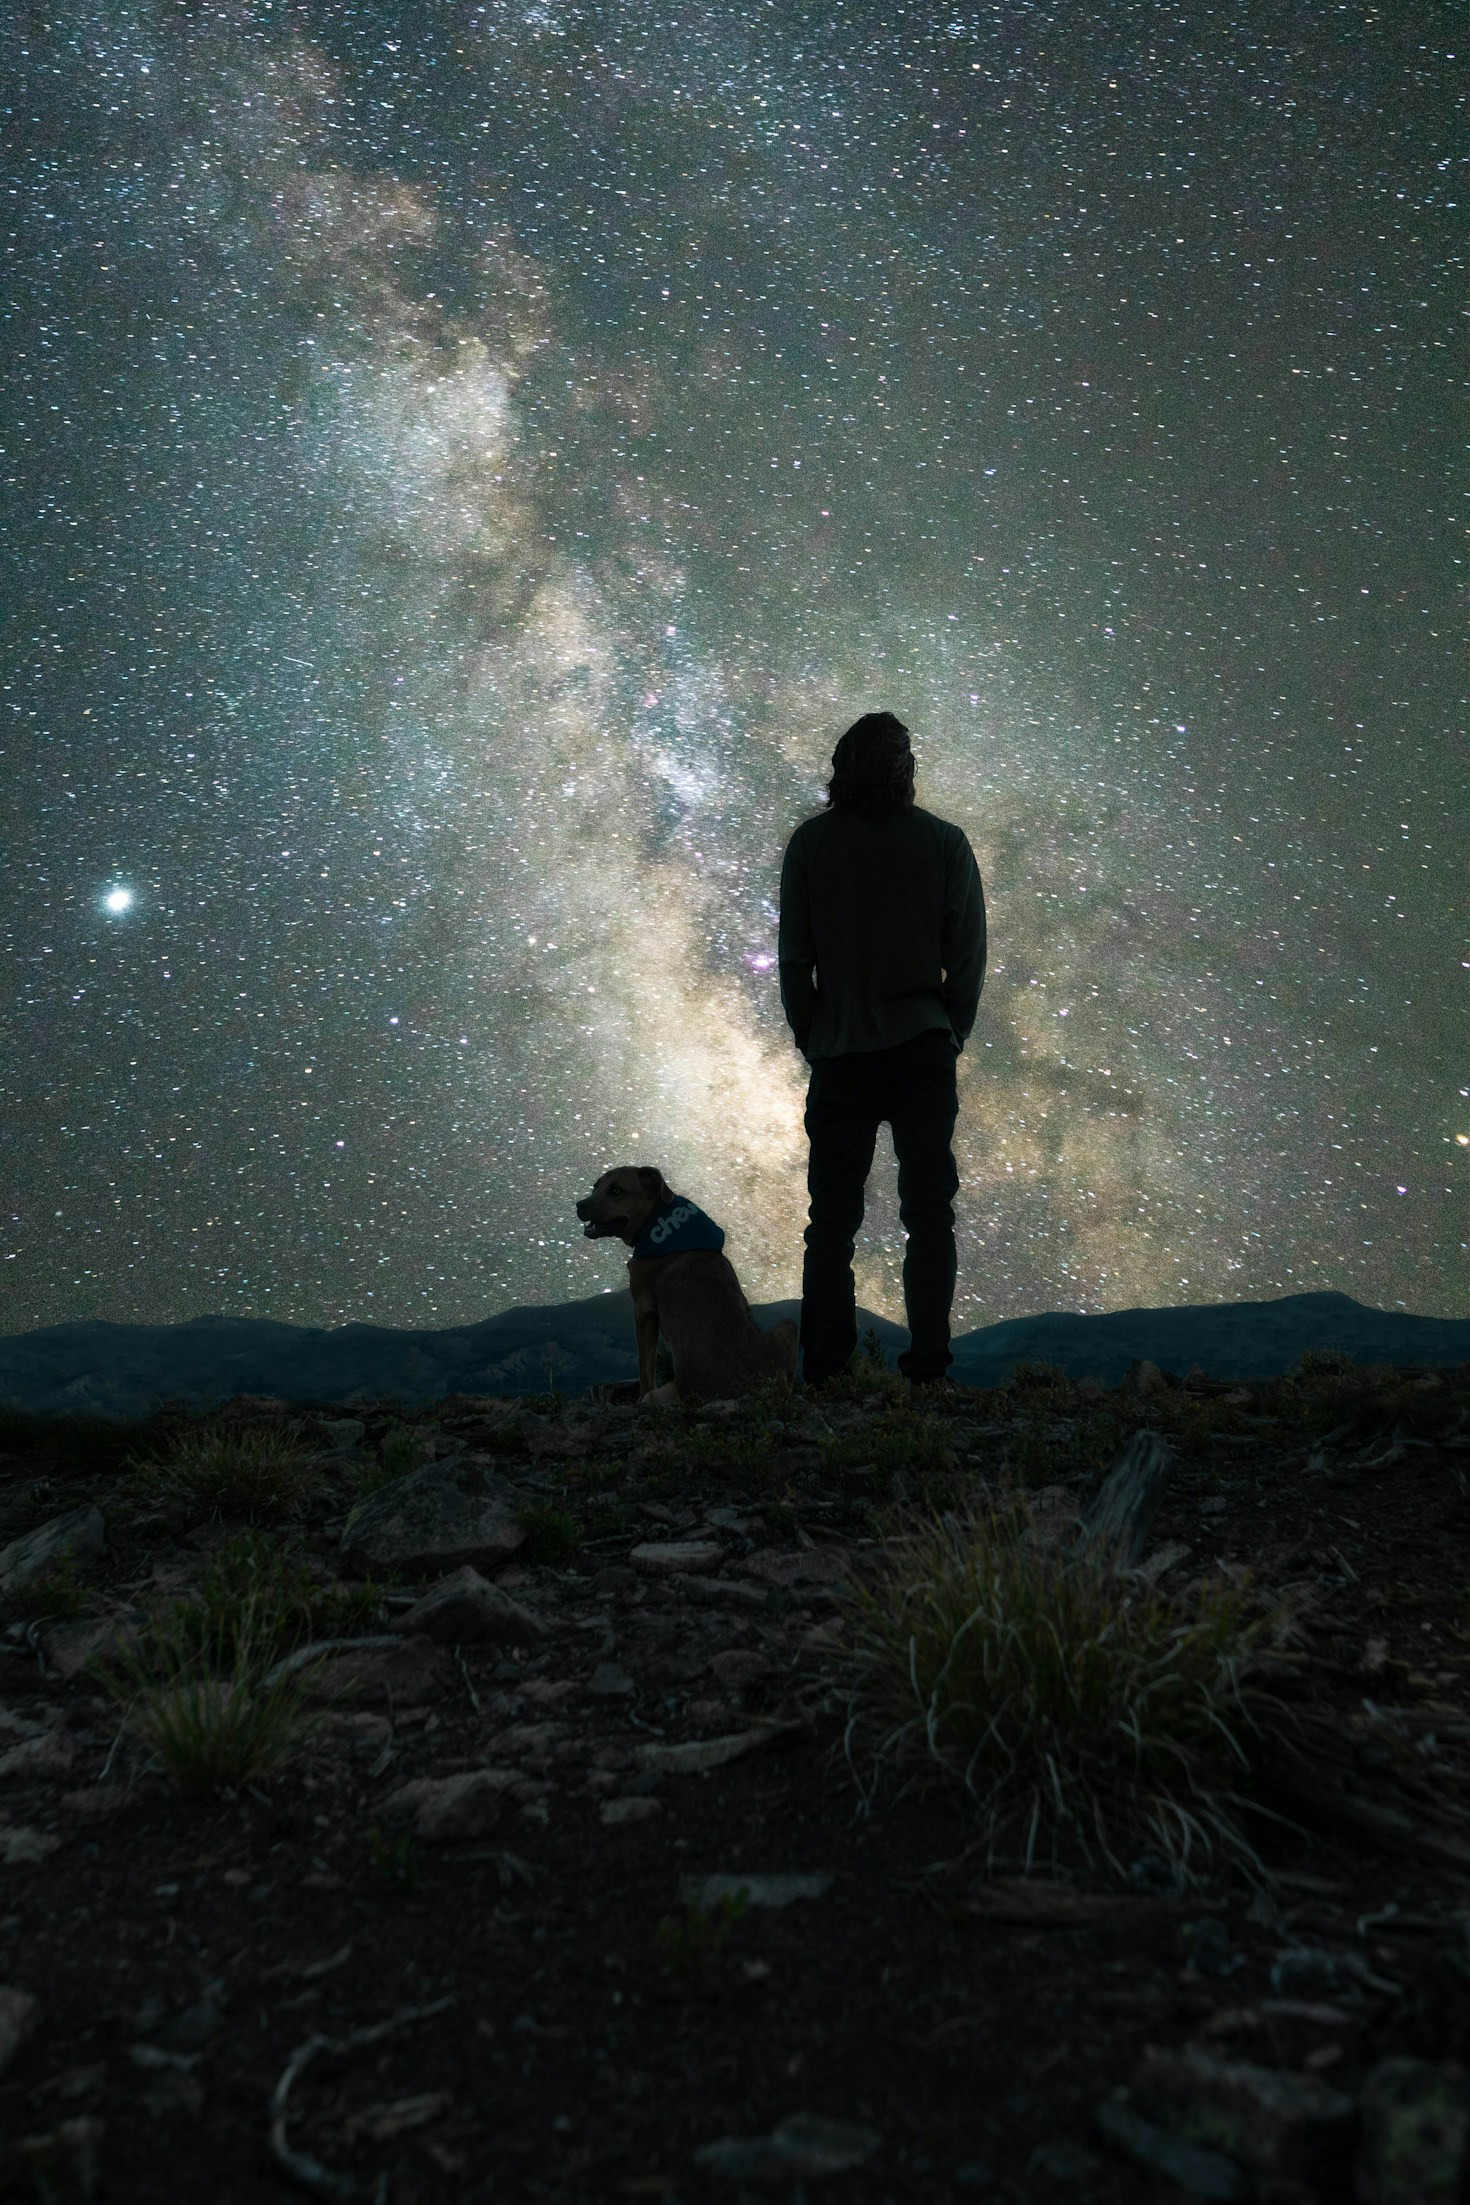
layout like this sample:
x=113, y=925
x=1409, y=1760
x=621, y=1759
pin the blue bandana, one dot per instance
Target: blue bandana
x=675, y=1229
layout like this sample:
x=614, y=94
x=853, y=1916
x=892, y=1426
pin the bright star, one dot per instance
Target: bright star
x=118, y=899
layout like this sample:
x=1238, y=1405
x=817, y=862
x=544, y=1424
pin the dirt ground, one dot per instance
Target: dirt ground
x=575, y=2014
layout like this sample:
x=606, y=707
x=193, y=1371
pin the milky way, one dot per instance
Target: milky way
x=465, y=466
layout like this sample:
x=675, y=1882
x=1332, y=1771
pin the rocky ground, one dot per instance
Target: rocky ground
x=570, y=1893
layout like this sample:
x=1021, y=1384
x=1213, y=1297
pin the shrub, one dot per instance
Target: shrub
x=207, y=1713
x=1322, y=1363
x=1065, y=1700
x=552, y=1534
x=259, y=1472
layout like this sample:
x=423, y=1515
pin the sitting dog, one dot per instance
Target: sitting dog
x=684, y=1288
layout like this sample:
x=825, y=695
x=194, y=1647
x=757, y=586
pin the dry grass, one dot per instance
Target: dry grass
x=1072, y=1705
x=252, y=1473
x=205, y=1713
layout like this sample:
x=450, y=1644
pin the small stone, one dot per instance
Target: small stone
x=698, y=1754
x=805, y=2145
x=19, y=1846
x=1306, y=1971
x=94, y=1801
x=615, y=1812
x=65, y=2161
x=465, y=1607
x=761, y=1891
x=344, y=1432
x=738, y=1666
x=67, y=1648
x=609, y=1682
x=45, y=1756
x=78, y=1535
x=1416, y=2134
x=18, y=2011
x=409, y=1672
x=730, y=1592
x=806, y=1566
x=1200, y=2172
x=1267, y=2117
x=437, y=1518
x=665, y=1558
x=1062, y=2161
x=448, y=1807
x=616, y=1579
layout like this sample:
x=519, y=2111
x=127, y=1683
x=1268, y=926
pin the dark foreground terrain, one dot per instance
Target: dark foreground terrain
x=524, y=1985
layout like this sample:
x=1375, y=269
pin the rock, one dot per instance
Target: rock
x=1307, y=1971
x=1202, y=2173
x=615, y=1812
x=64, y=2163
x=80, y=1534
x=448, y=1807
x=465, y=1607
x=808, y=1566
x=616, y=1578
x=437, y=1518
x=1062, y=2161
x=762, y=1891
x=48, y=1755
x=67, y=1648
x=730, y=1592
x=704, y=1753
x=804, y=2146
x=737, y=1666
x=557, y=1439
x=18, y=2010
x=665, y=1558
x=1268, y=2118
x=343, y=1432
x=408, y=1672
x=1416, y=2134
x=20, y=1845
x=96, y=1800
x=609, y=1682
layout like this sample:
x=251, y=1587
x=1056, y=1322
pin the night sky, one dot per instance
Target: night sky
x=463, y=468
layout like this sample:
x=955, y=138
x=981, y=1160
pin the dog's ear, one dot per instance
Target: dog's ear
x=654, y=1184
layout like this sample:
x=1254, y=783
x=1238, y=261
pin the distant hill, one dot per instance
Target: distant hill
x=124, y=1370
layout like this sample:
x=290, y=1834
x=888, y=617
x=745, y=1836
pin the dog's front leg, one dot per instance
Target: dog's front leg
x=645, y=1324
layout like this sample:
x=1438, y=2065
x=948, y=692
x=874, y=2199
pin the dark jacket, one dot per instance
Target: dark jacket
x=891, y=915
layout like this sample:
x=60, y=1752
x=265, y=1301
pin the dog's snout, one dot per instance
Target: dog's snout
x=584, y=1207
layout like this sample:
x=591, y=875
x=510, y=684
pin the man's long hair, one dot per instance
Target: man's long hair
x=873, y=768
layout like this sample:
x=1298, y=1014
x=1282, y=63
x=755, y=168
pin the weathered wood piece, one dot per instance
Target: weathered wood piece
x=1120, y=1516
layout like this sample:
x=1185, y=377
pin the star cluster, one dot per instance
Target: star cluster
x=464, y=465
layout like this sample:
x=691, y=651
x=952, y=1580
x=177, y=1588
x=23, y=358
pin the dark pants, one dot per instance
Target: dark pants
x=913, y=1088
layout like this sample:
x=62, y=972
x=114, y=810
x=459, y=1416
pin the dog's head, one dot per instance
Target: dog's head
x=622, y=1202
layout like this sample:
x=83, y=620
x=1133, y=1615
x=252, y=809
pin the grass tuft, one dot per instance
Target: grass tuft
x=260, y=1473
x=205, y=1712
x=1072, y=1705
x=255, y=1594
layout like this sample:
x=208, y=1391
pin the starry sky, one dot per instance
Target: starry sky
x=464, y=466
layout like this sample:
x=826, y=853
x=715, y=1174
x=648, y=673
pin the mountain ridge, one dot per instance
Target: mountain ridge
x=92, y=1365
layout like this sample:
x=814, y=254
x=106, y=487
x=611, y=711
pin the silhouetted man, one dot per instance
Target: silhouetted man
x=882, y=955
